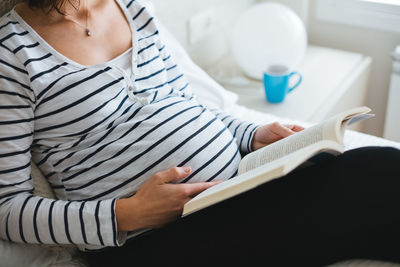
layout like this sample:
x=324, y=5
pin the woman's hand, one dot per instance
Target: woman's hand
x=271, y=133
x=158, y=201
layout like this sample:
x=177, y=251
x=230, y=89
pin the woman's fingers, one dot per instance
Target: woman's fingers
x=286, y=129
x=281, y=130
x=192, y=190
x=188, y=190
x=158, y=201
x=172, y=174
x=295, y=128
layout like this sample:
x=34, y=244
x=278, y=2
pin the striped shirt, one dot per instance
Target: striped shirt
x=99, y=132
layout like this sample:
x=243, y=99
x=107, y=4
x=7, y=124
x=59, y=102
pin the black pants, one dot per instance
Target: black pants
x=342, y=208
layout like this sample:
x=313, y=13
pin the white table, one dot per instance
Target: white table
x=333, y=81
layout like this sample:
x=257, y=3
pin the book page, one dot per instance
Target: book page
x=286, y=146
x=331, y=129
x=358, y=118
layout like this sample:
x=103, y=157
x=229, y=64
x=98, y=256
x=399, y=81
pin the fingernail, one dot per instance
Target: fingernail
x=186, y=169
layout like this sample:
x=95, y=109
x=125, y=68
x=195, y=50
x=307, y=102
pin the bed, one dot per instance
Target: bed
x=210, y=93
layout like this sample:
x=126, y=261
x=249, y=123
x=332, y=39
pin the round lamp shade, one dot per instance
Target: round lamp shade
x=268, y=34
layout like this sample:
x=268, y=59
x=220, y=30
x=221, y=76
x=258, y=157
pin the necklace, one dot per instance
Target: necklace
x=86, y=27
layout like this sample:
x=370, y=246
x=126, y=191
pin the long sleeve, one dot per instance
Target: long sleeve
x=243, y=131
x=27, y=218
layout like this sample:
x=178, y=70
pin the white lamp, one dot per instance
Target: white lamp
x=268, y=34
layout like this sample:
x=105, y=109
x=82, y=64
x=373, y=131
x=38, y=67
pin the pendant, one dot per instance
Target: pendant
x=88, y=32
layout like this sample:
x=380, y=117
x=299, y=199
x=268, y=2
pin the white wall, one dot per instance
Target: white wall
x=174, y=14
x=376, y=44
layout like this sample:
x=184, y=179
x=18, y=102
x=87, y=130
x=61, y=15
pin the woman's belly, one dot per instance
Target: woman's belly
x=116, y=161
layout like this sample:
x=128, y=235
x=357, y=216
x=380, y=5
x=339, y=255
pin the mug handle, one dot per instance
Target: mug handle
x=298, y=82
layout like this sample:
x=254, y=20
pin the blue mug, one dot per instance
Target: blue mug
x=277, y=83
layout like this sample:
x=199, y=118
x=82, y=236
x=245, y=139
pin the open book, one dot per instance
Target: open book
x=280, y=158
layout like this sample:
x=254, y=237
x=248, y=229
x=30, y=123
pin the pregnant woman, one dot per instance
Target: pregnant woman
x=89, y=91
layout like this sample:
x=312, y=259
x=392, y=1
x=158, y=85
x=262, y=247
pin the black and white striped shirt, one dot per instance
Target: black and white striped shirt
x=98, y=132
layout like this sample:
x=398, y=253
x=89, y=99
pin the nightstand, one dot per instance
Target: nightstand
x=333, y=81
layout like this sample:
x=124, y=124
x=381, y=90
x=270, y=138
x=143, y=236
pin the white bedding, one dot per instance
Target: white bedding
x=210, y=93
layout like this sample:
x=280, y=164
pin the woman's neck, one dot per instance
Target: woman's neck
x=77, y=9
x=74, y=8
